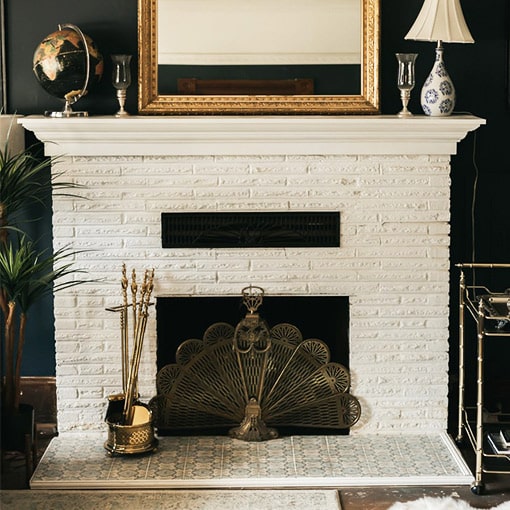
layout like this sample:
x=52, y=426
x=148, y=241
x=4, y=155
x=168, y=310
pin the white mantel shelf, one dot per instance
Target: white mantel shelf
x=246, y=135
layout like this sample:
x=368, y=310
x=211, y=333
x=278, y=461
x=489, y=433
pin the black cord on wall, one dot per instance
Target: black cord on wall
x=473, y=200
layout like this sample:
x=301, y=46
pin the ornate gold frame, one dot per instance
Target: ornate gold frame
x=150, y=102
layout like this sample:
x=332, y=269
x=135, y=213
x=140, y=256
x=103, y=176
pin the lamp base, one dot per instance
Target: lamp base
x=438, y=92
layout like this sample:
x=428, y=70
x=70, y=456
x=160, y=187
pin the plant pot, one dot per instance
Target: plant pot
x=16, y=427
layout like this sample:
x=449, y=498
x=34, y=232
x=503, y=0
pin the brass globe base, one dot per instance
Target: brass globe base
x=63, y=114
x=68, y=111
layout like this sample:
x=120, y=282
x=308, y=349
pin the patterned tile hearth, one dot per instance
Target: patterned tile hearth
x=80, y=461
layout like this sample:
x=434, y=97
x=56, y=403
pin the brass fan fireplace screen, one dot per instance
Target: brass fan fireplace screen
x=252, y=379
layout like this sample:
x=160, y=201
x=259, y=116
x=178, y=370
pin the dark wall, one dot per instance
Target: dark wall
x=112, y=24
x=479, y=71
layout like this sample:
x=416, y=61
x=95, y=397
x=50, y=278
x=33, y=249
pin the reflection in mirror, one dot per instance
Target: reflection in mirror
x=259, y=56
x=319, y=41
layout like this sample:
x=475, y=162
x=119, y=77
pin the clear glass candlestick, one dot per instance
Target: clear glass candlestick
x=121, y=80
x=405, y=79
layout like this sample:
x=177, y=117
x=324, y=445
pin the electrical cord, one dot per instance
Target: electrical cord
x=473, y=200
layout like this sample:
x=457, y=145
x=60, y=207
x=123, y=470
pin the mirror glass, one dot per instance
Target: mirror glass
x=258, y=56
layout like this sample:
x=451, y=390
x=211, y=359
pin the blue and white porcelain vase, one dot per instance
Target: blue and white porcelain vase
x=438, y=92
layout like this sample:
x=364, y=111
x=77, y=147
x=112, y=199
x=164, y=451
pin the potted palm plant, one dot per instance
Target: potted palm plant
x=27, y=273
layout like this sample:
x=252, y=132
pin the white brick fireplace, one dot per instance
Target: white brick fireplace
x=388, y=177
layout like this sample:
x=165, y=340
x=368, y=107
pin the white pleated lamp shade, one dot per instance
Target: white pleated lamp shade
x=440, y=20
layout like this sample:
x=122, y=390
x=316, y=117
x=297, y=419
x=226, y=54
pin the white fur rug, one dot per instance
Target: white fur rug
x=428, y=503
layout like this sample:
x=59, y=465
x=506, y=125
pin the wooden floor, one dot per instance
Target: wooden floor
x=356, y=498
x=379, y=498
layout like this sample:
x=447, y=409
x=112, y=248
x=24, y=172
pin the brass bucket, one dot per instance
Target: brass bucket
x=132, y=439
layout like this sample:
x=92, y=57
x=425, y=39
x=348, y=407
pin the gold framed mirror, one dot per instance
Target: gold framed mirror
x=183, y=70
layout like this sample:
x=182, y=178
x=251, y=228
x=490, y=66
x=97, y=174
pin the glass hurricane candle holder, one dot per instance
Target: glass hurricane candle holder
x=405, y=79
x=121, y=80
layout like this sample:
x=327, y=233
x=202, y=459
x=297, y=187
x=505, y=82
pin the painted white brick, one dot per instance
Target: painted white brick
x=393, y=264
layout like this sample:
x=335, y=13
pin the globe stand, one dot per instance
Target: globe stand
x=66, y=112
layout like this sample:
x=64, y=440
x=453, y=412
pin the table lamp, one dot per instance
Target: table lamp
x=441, y=21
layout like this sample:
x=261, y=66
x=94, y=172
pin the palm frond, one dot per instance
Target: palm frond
x=22, y=180
x=26, y=274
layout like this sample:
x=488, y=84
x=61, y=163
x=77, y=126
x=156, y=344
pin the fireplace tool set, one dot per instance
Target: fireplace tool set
x=251, y=379
x=130, y=424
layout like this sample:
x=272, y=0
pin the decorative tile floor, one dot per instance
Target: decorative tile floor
x=76, y=461
x=172, y=500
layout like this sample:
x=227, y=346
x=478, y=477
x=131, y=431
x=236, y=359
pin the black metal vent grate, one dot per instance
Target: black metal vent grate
x=250, y=230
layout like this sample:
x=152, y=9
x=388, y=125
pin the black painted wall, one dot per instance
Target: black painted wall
x=479, y=71
x=112, y=24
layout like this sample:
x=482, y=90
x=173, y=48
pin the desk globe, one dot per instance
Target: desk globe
x=67, y=64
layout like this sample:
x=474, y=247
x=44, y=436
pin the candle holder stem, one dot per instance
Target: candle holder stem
x=121, y=98
x=405, y=95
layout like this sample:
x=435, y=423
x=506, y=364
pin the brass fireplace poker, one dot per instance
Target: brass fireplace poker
x=130, y=428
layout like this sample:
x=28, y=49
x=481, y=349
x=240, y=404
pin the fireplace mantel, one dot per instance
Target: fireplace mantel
x=388, y=177
x=304, y=135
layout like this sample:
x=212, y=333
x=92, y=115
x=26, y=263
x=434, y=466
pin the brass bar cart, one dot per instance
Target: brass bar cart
x=491, y=313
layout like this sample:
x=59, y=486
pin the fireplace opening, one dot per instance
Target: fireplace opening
x=180, y=318
x=186, y=321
